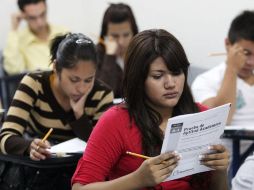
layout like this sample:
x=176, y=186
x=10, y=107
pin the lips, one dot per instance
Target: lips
x=76, y=97
x=170, y=95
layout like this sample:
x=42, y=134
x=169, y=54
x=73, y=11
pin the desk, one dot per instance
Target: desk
x=22, y=173
x=237, y=136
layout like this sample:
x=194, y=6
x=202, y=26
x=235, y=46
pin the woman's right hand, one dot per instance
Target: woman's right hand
x=156, y=169
x=38, y=149
x=111, y=46
x=236, y=57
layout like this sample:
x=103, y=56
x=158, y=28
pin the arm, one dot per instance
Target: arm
x=84, y=124
x=227, y=91
x=105, y=149
x=12, y=141
x=13, y=60
x=152, y=172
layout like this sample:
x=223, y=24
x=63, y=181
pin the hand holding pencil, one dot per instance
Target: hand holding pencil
x=38, y=147
x=155, y=170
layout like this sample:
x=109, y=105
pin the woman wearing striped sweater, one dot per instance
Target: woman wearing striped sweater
x=67, y=99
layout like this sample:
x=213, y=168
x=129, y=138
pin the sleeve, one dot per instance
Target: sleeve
x=83, y=127
x=11, y=136
x=245, y=176
x=102, y=152
x=204, y=87
x=13, y=60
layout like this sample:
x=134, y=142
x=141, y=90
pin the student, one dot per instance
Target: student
x=245, y=176
x=155, y=89
x=28, y=49
x=118, y=28
x=232, y=81
x=67, y=99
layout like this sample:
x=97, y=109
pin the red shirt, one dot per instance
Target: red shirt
x=105, y=154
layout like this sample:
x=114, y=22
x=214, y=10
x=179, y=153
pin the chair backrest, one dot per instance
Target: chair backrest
x=8, y=85
x=194, y=71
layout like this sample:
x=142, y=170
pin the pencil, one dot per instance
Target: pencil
x=217, y=54
x=47, y=134
x=245, y=52
x=137, y=155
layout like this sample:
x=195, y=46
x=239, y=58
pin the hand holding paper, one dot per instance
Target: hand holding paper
x=191, y=135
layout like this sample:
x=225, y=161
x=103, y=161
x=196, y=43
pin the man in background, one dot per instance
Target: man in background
x=232, y=81
x=28, y=49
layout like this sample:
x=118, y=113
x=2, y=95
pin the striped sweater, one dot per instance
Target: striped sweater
x=34, y=110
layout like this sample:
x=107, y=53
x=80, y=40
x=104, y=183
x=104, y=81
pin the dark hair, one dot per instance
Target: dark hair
x=118, y=13
x=144, y=48
x=23, y=3
x=242, y=27
x=68, y=49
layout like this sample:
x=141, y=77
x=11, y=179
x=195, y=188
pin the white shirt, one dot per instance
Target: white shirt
x=208, y=84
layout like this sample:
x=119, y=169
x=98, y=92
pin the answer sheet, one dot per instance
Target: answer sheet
x=190, y=135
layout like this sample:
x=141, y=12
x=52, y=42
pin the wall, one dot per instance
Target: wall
x=200, y=25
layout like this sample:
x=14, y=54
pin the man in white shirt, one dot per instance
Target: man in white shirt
x=232, y=81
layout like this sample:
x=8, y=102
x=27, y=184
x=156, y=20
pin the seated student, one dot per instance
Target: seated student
x=118, y=28
x=28, y=49
x=232, y=81
x=67, y=99
x=155, y=89
x=244, y=178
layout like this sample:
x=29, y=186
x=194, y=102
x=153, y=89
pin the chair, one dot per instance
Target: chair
x=8, y=85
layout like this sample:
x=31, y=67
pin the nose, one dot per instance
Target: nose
x=120, y=40
x=169, y=81
x=81, y=88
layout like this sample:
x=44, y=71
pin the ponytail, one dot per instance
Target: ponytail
x=54, y=46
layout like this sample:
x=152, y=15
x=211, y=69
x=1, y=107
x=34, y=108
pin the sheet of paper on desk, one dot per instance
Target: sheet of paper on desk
x=75, y=145
x=190, y=135
x=231, y=127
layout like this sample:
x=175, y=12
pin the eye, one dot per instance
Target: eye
x=74, y=80
x=247, y=52
x=88, y=80
x=126, y=35
x=156, y=76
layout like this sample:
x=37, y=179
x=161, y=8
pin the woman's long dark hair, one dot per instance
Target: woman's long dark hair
x=144, y=48
x=117, y=13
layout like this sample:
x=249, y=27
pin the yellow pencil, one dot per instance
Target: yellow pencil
x=245, y=52
x=137, y=155
x=217, y=54
x=47, y=134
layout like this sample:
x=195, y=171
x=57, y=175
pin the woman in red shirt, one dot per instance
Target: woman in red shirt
x=155, y=89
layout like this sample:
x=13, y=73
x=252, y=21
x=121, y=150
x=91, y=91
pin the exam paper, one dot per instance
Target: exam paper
x=190, y=135
x=75, y=145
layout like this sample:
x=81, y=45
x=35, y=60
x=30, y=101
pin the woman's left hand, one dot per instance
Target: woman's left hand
x=79, y=105
x=218, y=160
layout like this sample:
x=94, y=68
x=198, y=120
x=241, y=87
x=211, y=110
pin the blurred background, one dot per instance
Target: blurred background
x=200, y=25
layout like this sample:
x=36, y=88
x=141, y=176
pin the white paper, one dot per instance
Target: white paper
x=190, y=135
x=75, y=145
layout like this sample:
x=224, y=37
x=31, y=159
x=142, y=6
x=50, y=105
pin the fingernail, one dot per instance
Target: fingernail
x=175, y=153
x=210, y=148
x=179, y=156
